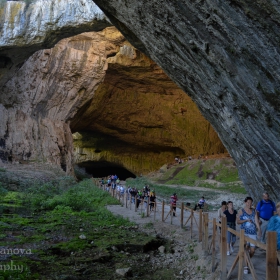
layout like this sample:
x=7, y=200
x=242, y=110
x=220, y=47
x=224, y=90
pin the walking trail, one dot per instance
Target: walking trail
x=174, y=230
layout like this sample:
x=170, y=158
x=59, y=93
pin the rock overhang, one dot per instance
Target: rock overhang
x=225, y=55
x=27, y=27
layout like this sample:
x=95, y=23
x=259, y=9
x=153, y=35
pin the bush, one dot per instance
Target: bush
x=3, y=191
x=37, y=195
x=80, y=196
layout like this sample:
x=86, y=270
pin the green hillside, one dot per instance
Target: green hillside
x=213, y=173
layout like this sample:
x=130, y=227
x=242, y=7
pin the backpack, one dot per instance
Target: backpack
x=270, y=201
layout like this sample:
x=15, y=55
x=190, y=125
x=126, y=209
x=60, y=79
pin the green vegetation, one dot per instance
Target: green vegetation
x=69, y=231
x=81, y=196
x=65, y=225
x=220, y=174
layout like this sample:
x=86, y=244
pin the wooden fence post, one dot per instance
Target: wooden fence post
x=224, y=249
x=148, y=206
x=162, y=211
x=214, y=244
x=241, y=255
x=191, y=222
x=155, y=205
x=200, y=225
x=206, y=233
x=182, y=214
x=271, y=255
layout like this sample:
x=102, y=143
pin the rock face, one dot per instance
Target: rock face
x=225, y=55
x=28, y=26
x=136, y=105
x=37, y=104
x=139, y=118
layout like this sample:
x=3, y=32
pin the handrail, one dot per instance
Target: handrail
x=248, y=239
x=203, y=227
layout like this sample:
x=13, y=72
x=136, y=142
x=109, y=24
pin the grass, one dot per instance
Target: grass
x=165, y=191
x=59, y=213
x=230, y=187
x=222, y=172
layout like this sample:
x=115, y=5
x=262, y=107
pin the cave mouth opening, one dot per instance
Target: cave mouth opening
x=99, y=169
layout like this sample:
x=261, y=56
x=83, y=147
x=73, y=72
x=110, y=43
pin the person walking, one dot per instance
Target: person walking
x=265, y=210
x=152, y=201
x=221, y=212
x=230, y=214
x=146, y=199
x=247, y=218
x=274, y=224
x=173, y=201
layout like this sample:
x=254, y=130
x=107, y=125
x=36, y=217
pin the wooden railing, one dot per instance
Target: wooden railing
x=199, y=220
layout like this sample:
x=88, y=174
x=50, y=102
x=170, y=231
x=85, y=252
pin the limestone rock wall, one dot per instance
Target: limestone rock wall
x=95, y=146
x=98, y=82
x=28, y=26
x=37, y=104
x=139, y=105
x=225, y=55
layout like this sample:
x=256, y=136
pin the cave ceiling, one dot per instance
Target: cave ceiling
x=225, y=55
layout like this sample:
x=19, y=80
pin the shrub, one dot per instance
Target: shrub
x=80, y=196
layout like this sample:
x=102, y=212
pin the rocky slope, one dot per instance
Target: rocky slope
x=225, y=55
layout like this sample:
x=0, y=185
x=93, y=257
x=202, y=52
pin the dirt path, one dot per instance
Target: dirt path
x=171, y=231
x=216, y=199
x=194, y=188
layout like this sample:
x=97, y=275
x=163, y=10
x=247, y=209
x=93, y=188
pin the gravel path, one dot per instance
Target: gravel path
x=172, y=226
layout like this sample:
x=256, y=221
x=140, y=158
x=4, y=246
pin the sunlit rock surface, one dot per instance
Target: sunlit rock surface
x=97, y=82
x=37, y=104
x=148, y=120
x=26, y=28
x=225, y=55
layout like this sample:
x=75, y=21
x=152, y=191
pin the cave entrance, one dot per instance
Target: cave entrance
x=104, y=168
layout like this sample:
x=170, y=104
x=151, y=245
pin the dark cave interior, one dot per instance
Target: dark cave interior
x=99, y=169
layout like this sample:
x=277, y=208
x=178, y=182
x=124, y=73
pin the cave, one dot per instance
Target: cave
x=100, y=169
x=225, y=56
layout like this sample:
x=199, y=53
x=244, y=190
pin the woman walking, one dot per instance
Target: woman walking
x=230, y=214
x=248, y=220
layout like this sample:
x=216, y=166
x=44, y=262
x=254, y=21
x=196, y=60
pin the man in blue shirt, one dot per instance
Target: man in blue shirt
x=265, y=210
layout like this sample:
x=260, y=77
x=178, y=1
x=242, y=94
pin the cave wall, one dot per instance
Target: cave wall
x=98, y=82
x=225, y=55
x=138, y=104
x=139, y=160
x=38, y=103
x=29, y=26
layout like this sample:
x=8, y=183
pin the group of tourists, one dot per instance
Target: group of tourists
x=137, y=196
x=147, y=196
x=254, y=221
